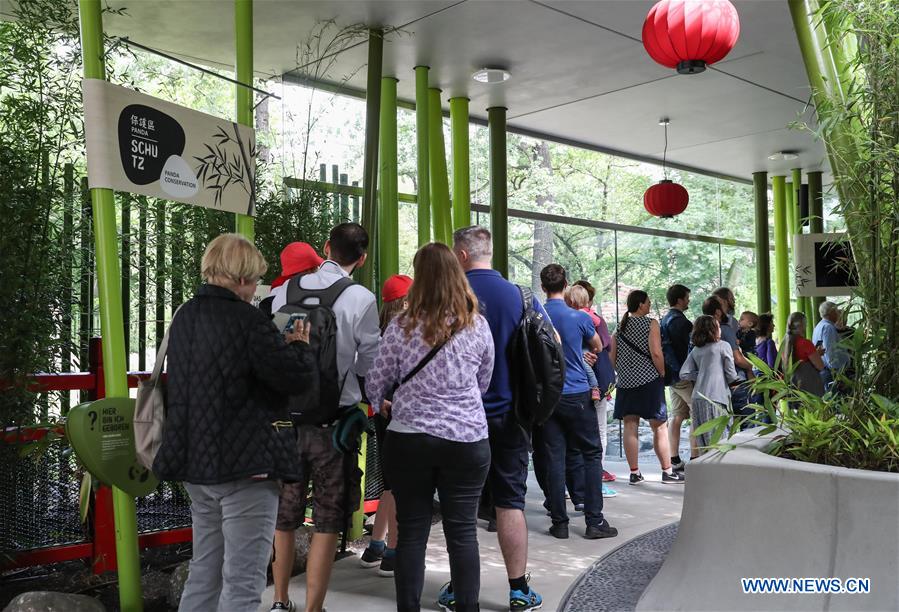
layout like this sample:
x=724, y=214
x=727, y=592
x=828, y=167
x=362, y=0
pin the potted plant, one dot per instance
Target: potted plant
x=813, y=490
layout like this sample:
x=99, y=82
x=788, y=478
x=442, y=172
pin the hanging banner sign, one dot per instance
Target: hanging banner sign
x=140, y=144
x=824, y=265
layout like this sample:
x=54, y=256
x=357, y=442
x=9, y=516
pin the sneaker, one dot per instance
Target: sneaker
x=388, y=564
x=282, y=607
x=446, y=599
x=519, y=600
x=609, y=492
x=603, y=530
x=559, y=531
x=579, y=507
x=636, y=478
x=680, y=466
x=491, y=526
x=608, y=476
x=369, y=559
x=673, y=478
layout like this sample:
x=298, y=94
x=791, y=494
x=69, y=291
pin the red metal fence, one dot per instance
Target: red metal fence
x=98, y=540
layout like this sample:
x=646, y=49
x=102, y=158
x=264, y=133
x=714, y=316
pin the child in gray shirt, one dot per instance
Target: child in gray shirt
x=711, y=366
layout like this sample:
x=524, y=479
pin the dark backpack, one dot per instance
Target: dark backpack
x=672, y=363
x=536, y=366
x=320, y=402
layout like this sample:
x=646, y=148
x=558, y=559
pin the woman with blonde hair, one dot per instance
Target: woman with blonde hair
x=227, y=433
x=437, y=359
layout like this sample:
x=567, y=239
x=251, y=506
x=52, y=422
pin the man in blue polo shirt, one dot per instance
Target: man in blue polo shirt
x=502, y=306
x=574, y=420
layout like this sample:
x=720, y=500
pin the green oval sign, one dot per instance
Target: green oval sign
x=102, y=434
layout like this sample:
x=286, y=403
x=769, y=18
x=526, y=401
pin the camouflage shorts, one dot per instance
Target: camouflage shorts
x=335, y=476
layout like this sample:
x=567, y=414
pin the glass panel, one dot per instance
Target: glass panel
x=654, y=263
x=740, y=272
x=585, y=253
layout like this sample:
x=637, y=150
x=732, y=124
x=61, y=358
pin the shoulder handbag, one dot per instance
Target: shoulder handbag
x=418, y=367
x=639, y=350
x=149, y=410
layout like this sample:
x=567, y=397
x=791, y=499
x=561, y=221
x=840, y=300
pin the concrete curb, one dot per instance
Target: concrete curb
x=747, y=514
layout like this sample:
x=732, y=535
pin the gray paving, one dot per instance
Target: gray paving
x=554, y=564
x=616, y=582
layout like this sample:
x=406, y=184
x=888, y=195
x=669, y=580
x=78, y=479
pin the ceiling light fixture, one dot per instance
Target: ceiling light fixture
x=784, y=156
x=491, y=75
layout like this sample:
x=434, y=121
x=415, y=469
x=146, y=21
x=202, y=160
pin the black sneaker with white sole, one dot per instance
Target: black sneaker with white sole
x=370, y=558
x=636, y=478
x=673, y=478
x=680, y=466
x=280, y=606
x=388, y=564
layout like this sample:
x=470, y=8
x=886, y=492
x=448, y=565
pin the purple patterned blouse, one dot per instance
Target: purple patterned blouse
x=444, y=398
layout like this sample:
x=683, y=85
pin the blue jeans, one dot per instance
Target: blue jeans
x=739, y=401
x=573, y=424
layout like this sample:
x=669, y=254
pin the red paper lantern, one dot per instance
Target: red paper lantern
x=690, y=34
x=666, y=199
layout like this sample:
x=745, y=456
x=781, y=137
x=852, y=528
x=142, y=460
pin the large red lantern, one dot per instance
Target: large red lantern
x=666, y=199
x=690, y=34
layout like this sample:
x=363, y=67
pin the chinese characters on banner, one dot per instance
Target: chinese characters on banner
x=140, y=144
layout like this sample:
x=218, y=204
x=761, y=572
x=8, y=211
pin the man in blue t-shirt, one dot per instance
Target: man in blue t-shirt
x=506, y=486
x=574, y=419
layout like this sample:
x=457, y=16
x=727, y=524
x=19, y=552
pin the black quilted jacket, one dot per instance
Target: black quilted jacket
x=229, y=375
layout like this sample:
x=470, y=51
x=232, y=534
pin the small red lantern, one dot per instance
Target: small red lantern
x=690, y=34
x=666, y=199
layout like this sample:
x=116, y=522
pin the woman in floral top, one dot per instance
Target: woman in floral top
x=437, y=437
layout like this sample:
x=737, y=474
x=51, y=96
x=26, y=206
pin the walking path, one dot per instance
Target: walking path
x=554, y=564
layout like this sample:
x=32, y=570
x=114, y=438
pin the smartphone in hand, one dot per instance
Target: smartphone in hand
x=297, y=316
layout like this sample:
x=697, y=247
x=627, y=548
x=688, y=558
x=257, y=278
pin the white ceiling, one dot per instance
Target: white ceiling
x=578, y=69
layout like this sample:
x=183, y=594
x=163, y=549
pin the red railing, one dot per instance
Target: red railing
x=101, y=548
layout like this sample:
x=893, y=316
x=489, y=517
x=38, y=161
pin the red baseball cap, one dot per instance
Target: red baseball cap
x=396, y=287
x=297, y=257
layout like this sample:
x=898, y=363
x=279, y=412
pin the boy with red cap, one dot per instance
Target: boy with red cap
x=296, y=258
x=381, y=550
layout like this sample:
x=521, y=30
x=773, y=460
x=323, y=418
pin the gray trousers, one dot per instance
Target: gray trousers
x=233, y=528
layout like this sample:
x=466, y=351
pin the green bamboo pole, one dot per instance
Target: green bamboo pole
x=762, y=253
x=781, y=256
x=827, y=76
x=370, y=162
x=461, y=166
x=142, y=285
x=126, y=273
x=499, y=218
x=68, y=248
x=791, y=230
x=243, y=72
x=440, y=200
x=815, y=223
x=423, y=153
x=85, y=288
x=112, y=329
x=388, y=206
x=803, y=304
x=369, y=211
